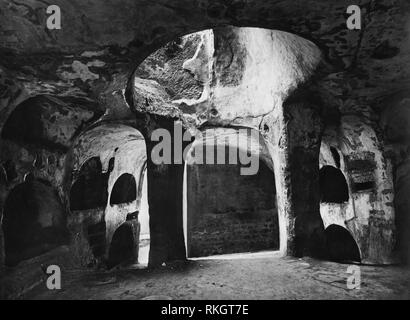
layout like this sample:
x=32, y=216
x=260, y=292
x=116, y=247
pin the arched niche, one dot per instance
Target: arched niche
x=34, y=221
x=333, y=185
x=340, y=245
x=124, y=245
x=45, y=121
x=89, y=191
x=124, y=190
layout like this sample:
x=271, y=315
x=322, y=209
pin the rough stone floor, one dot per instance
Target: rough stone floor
x=247, y=276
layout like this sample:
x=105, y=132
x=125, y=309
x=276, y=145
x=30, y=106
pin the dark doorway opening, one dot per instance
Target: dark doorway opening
x=90, y=189
x=333, y=185
x=34, y=221
x=229, y=213
x=340, y=245
x=124, y=190
x=124, y=244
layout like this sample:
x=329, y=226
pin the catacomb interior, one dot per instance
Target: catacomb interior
x=78, y=108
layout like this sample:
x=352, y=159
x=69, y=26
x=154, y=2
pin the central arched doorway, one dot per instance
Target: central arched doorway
x=227, y=211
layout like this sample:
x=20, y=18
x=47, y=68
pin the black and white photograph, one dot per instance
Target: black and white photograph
x=217, y=151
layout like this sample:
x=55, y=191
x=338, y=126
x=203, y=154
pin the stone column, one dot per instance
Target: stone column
x=294, y=134
x=304, y=128
x=165, y=187
x=274, y=130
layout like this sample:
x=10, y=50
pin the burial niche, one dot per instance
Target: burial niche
x=89, y=191
x=333, y=185
x=34, y=221
x=124, y=190
x=124, y=244
x=340, y=245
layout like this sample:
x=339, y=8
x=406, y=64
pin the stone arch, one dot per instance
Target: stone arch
x=124, y=190
x=34, y=221
x=226, y=85
x=222, y=103
x=39, y=120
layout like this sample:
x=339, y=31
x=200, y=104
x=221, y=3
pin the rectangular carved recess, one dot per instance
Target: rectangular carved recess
x=361, y=168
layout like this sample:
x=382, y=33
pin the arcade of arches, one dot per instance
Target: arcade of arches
x=79, y=187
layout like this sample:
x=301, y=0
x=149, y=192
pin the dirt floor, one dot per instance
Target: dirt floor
x=246, y=276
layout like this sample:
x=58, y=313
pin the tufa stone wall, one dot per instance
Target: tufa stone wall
x=230, y=213
x=234, y=232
